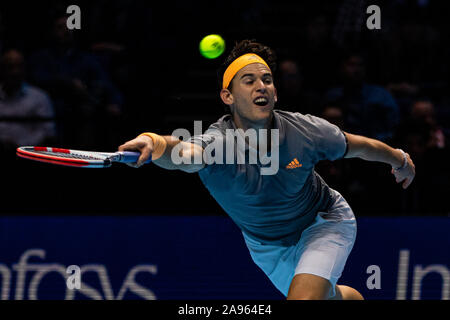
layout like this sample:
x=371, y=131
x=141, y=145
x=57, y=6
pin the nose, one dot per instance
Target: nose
x=261, y=86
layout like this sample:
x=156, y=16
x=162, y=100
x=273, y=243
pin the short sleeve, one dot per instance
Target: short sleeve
x=214, y=138
x=329, y=140
x=205, y=139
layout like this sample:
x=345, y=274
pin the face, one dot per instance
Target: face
x=61, y=33
x=353, y=69
x=291, y=80
x=424, y=111
x=252, y=97
x=12, y=66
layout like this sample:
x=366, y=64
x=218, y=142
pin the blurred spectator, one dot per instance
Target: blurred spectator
x=290, y=83
x=350, y=19
x=425, y=141
x=420, y=132
x=81, y=89
x=26, y=112
x=1, y=33
x=335, y=115
x=423, y=111
x=318, y=53
x=369, y=110
x=353, y=177
x=414, y=53
x=133, y=47
x=404, y=93
x=292, y=95
x=334, y=171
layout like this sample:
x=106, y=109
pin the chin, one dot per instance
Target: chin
x=265, y=111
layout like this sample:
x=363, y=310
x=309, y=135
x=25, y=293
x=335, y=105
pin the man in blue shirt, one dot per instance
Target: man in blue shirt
x=369, y=110
x=26, y=111
x=297, y=229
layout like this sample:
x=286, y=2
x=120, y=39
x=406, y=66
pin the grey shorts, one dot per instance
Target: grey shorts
x=322, y=250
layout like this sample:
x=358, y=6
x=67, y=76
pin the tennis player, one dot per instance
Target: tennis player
x=298, y=230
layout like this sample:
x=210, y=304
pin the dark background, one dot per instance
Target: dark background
x=148, y=56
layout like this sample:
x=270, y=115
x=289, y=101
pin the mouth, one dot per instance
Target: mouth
x=261, y=101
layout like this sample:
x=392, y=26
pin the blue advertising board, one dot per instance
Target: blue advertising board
x=202, y=257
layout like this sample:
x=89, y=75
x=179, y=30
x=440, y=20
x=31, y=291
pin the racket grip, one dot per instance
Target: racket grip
x=129, y=156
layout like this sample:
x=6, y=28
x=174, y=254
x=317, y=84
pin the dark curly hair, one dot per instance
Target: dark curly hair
x=243, y=47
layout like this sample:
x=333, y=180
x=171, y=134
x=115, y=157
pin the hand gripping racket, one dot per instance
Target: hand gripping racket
x=77, y=158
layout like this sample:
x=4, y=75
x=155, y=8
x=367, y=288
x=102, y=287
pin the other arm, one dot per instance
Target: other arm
x=375, y=150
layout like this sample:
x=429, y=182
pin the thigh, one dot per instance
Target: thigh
x=324, y=247
x=277, y=262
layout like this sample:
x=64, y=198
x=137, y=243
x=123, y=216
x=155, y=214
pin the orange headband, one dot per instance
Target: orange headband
x=238, y=64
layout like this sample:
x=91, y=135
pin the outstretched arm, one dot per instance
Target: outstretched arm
x=163, y=149
x=374, y=150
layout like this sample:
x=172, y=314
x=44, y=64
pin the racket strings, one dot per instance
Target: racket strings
x=71, y=155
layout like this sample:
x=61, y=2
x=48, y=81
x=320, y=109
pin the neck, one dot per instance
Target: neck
x=266, y=124
x=245, y=124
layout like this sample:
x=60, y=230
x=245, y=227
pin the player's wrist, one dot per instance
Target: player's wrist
x=404, y=161
x=159, y=144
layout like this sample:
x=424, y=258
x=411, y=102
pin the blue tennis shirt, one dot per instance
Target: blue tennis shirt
x=276, y=208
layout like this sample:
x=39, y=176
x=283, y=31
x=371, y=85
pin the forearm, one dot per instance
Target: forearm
x=373, y=150
x=167, y=152
x=165, y=160
x=179, y=155
x=403, y=167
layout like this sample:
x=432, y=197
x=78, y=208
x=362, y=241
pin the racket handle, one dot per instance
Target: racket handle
x=129, y=156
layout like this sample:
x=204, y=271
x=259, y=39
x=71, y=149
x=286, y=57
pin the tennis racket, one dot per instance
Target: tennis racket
x=77, y=158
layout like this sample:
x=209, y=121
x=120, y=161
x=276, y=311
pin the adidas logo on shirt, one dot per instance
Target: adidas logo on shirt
x=294, y=164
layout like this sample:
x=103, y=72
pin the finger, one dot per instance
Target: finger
x=408, y=182
x=126, y=146
x=145, y=154
x=132, y=145
x=405, y=184
x=131, y=164
x=397, y=176
x=393, y=173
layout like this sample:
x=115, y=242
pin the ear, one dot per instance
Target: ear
x=226, y=96
x=276, y=95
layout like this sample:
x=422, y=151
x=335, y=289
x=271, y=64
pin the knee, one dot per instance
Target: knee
x=308, y=287
x=306, y=296
x=348, y=293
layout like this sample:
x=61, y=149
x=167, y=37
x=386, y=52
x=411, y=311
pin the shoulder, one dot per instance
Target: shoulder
x=378, y=93
x=287, y=115
x=305, y=126
x=375, y=90
x=40, y=99
x=299, y=118
x=35, y=92
x=222, y=124
x=308, y=125
x=215, y=131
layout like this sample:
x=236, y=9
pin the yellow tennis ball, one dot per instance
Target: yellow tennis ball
x=212, y=46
